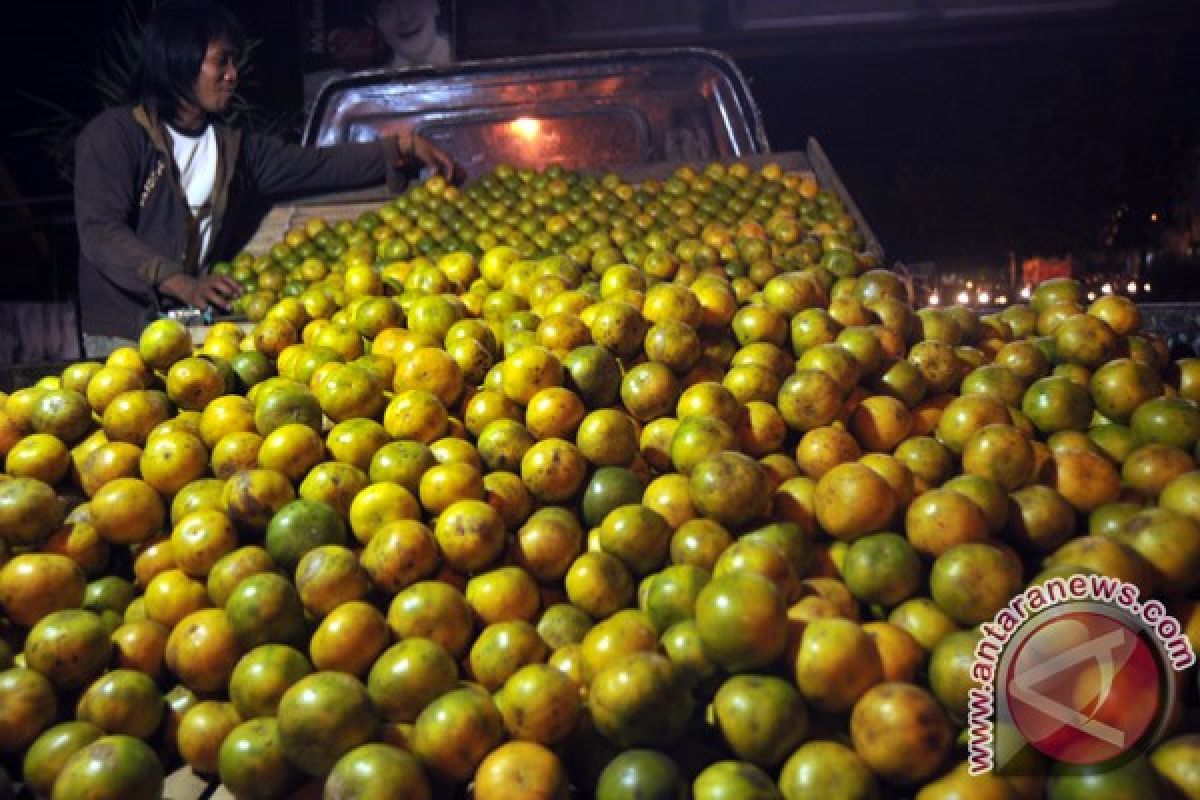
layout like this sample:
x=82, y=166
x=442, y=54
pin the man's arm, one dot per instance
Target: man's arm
x=279, y=168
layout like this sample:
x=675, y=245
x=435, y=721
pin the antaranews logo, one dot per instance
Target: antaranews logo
x=1078, y=667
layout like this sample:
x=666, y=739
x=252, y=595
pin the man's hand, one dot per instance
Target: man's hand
x=415, y=148
x=202, y=292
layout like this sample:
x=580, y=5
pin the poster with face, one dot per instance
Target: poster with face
x=344, y=36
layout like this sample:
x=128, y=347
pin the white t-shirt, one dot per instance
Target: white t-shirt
x=196, y=157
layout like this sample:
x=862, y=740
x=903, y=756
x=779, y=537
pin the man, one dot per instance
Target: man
x=409, y=28
x=159, y=184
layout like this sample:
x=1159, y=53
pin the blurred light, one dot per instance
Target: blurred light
x=1091, y=295
x=963, y=298
x=526, y=127
x=1002, y=300
x=984, y=298
x=970, y=285
x=1106, y=288
x=934, y=299
x=1154, y=217
x=1145, y=287
x=1131, y=287
x=1025, y=292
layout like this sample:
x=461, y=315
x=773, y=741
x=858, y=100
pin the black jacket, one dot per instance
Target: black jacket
x=135, y=226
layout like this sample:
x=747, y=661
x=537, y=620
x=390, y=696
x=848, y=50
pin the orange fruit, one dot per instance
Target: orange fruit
x=900, y=655
x=108, y=383
x=973, y=581
x=127, y=511
x=202, y=650
x=444, y=484
x=292, y=450
x=201, y=539
x=1119, y=386
x=356, y=441
x=761, y=718
x=112, y=766
x=553, y=470
x=820, y=764
x=435, y=610
x=548, y=542
x=399, y=554
x=377, y=771
x=1085, y=479
x=900, y=732
x=965, y=415
x=836, y=662
x=1151, y=467
x=328, y=576
x=456, y=731
x=408, y=676
x=470, y=535
x=1086, y=340
x=141, y=646
x=349, y=639
x=852, y=500
x=228, y=572
x=29, y=511
x=649, y=391
x=598, y=583
x=739, y=617
x=1000, y=453
x=880, y=423
x=810, y=398
x=170, y=461
x=639, y=699
x=822, y=449
x=163, y=342
x=941, y=518
x=1057, y=404
x=252, y=496
x=730, y=488
x=195, y=382
x=202, y=730
x=502, y=594
x=501, y=649
x=1169, y=542
x=322, y=717
x=521, y=769
x=38, y=456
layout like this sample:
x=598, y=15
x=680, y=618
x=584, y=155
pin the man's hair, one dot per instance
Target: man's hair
x=174, y=42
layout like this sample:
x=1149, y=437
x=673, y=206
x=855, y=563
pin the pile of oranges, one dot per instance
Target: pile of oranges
x=560, y=486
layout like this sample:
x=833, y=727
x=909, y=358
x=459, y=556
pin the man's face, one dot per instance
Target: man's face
x=402, y=19
x=218, y=76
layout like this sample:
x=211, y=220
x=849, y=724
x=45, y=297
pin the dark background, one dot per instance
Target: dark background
x=1022, y=133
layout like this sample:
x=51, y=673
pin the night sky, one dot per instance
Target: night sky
x=959, y=149
x=965, y=152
